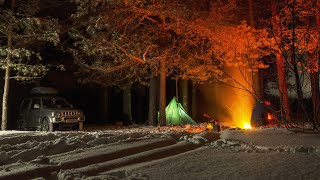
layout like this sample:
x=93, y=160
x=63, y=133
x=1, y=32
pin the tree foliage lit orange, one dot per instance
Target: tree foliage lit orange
x=131, y=37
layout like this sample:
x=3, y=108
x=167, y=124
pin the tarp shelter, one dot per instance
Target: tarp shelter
x=176, y=114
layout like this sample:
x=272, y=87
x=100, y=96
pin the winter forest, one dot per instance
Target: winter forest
x=174, y=77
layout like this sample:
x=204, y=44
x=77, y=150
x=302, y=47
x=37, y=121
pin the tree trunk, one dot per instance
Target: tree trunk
x=314, y=76
x=177, y=89
x=152, y=114
x=184, y=94
x=104, y=104
x=194, y=101
x=4, y=121
x=282, y=82
x=251, y=16
x=283, y=89
x=257, y=78
x=162, y=102
x=5, y=99
x=293, y=58
x=316, y=96
x=127, y=103
x=295, y=67
x=301, y=108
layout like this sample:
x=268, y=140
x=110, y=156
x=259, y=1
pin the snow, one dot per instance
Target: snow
x=160, y=153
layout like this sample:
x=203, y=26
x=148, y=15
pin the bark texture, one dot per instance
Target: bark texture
x=6, y=86
x=153, y=101
x=162, y=101
x=280, y=64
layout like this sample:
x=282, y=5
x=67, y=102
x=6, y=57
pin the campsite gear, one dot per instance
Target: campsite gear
x=176, y=114
x=259, y=114
x=216, y=128
x=209, y=127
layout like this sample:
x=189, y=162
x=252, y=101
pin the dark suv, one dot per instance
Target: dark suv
x=46, y=111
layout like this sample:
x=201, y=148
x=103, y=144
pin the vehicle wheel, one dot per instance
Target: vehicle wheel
x=80, y=126
x=46, y=125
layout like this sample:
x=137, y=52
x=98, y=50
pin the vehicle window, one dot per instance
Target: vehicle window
x=55, y=103
x=24, y=104
x=35, y=104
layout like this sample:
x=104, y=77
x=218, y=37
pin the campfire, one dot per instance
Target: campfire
x=209, y=127
x=247, y=126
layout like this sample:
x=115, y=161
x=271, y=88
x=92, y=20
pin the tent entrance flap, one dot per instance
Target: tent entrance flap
x=176, y=114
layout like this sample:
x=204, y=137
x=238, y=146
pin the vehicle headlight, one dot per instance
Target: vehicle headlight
x=56, y=114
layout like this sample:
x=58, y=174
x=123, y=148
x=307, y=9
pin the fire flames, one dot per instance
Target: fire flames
x=242, y=120
x=247, y=126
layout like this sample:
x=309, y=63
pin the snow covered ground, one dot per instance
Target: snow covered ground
x=160, y=153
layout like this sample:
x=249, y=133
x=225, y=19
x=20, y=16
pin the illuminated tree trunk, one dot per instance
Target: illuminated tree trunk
x=5, y=96
x=194, y=101
x=280, y=64
x=177, y=89
x=162, y=101
x=283, y=89
x=153, y=102
x=4, y=118
x=184, y=94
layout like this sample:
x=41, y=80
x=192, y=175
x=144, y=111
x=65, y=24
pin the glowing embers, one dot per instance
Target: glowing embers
x=195, y=128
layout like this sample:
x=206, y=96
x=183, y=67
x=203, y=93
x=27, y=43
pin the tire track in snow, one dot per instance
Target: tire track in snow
x=143, y=157
x=51, y=154
x=84, y=158
x=29, y=146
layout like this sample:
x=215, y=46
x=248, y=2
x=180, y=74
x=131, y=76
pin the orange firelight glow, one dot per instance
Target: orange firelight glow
x=230, y=103
x=241, y=102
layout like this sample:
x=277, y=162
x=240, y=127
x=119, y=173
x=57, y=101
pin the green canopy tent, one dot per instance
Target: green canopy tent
x=176, y=114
